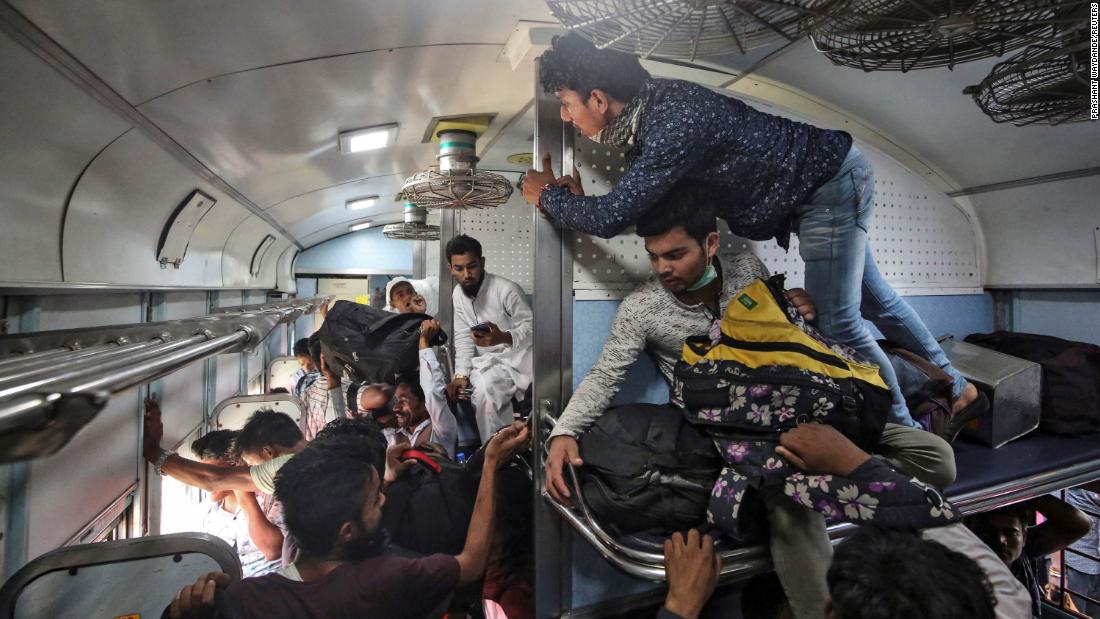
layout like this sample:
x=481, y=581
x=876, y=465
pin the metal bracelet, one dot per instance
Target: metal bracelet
x=158, y=466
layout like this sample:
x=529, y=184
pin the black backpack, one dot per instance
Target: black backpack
x=1071, y=377
x=428, y=509
x=372, y=345
x=647, y=468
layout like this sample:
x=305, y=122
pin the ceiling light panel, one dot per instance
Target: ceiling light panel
x=356, y=204
x=363, y=225
x=368, y=138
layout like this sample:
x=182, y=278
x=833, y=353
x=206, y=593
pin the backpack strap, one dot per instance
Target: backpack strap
x=422, y=458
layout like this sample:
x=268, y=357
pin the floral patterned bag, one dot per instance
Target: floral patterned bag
x=762, y=373
x=765, y=373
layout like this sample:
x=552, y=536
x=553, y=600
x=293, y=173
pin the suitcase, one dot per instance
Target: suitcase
x=1013, y=386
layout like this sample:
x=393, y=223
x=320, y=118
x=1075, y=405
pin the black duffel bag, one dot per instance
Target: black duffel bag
x=372, y=345
x=646, y=468
x=1071, y=377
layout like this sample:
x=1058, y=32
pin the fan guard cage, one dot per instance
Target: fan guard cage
x=690, y=28
x=456, y=189
x=406, y=231
x=1044, y=84
x=900, y=35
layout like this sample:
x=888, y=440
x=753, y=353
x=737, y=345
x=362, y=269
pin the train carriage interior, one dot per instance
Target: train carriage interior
x=191, y=187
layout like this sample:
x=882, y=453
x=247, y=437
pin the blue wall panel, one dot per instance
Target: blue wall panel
x=363, y=252
x=1069, y=314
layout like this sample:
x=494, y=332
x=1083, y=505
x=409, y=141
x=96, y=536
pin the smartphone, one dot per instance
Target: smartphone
x=481, y=328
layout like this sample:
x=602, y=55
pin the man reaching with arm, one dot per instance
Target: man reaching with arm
x=343, y=570
x=259, y=477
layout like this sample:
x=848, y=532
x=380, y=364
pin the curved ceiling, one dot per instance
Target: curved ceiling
x=256, y=91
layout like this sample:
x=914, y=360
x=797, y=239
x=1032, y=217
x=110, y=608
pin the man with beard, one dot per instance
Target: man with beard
x=344, y=569
x=493, y=327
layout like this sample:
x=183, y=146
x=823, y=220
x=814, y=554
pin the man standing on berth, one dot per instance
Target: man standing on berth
x=769, y=176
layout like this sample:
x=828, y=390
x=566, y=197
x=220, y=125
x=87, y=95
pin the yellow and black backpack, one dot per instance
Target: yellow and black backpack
x=769, y=372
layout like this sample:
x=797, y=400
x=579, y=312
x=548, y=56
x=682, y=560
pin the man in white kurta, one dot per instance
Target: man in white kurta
x=492, y=341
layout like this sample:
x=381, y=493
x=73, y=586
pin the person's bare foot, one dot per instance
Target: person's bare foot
x=968, y=395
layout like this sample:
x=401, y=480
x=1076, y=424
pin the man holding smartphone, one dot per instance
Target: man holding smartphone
x=493, y=326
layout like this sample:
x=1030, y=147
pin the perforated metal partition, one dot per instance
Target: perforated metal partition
x=922, y=241
x=232, y=413
x=506, y=240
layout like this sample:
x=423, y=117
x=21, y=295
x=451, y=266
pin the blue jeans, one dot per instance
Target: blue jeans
x=846, y=285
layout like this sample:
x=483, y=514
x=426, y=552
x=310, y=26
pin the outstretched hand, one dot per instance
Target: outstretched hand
x=692, y=567
x=572, y=182
x=197, y=601
x=534, y=180
x=507, y=442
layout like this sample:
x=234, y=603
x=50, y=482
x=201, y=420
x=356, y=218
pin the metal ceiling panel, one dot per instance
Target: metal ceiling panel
x=326, y=207
x=50, y=130
x=144, y=49
x=1042, y=235
x=927, y=113
x=271, y=133
x=119, y=209
x=239, y=249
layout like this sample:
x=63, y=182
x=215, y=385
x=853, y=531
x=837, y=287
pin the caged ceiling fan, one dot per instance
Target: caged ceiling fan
x=686, y=29
x=1046, y=83
x=456, y=183
x=901, y=35
x=414, y=228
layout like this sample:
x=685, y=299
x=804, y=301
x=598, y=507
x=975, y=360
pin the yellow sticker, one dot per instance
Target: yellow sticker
x=362, y=299
x=128, y=617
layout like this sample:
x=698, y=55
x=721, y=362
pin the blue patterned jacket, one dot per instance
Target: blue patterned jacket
x=760, y=167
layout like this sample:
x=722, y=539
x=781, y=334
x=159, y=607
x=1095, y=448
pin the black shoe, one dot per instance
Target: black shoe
x=972, y=412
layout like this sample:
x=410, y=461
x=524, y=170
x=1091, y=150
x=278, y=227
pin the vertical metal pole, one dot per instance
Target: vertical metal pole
x=22, y=317
x=553, y=339
x=448, y=227
x=420, y=259
x=210, y=373
x=147, y=507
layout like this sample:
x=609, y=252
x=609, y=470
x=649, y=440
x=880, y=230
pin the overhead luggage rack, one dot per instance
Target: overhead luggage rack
x=989, y=478
x=52, y=383
x=688, y=28
x=899, y=35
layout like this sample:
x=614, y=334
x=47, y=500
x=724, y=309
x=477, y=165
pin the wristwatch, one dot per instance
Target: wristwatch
x=158, y=466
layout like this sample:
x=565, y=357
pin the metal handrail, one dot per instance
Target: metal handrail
x=45, y=357
x=738, y=563
x=40, y=380
x=41, y=410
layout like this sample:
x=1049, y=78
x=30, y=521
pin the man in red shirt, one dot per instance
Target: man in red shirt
x=332, y=500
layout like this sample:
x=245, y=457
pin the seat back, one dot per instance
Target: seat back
x=280, y=373
x=232, y=413
x=133, y=577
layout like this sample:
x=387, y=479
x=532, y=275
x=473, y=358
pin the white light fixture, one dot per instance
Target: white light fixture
x=368, y=138
x=355, y=204
x=363, y=225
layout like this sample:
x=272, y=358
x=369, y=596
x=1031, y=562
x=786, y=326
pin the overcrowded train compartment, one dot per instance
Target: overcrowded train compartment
x=549, y=308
